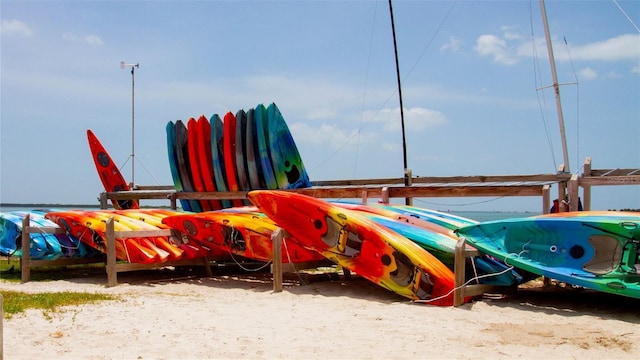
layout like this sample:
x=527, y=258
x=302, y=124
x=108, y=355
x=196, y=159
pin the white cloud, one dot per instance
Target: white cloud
x=15, y=28
x=453, y=44
x=623, y=47
x=587, y=74
x=494, y=47
x=93, y=40
x=89, y=39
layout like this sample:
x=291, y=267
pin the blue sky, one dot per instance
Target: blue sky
x=470, y=72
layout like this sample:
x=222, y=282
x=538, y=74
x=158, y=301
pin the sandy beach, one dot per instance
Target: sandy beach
x=232, y=316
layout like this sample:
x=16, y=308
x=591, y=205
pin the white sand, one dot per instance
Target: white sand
x=230, y=317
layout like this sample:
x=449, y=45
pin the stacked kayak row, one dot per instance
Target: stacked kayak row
x=404, y=249
x=44, y=246
x=91, y=226
x=247, y=150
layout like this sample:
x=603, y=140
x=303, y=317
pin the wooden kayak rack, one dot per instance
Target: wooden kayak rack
x=408, y=187
x=112, y=266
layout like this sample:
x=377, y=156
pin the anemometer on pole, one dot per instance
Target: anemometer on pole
x=123, y=65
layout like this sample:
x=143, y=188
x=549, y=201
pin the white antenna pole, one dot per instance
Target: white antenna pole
x=556, y=87
x=133, y=162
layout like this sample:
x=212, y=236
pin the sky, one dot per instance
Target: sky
x=475, y=79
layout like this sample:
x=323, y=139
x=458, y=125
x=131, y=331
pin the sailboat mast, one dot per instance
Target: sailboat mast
x=556, y=86
x=404, y=142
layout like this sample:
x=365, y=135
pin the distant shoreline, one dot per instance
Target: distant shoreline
x=48, y=205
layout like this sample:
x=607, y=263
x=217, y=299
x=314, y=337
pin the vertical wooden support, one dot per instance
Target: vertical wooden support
x=276, y=240
x=25, y=259
x=409, y=181
x=112, y=279
x=573, y=193
x=207, y=266
x=385, y=195
x=174, y=202
x=364, y=196
x=103, y=201
x=458, y=272
x=546, y=199
x=586, y=189
x=562, y=192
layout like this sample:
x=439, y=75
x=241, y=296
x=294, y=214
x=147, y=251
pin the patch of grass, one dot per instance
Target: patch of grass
x=15, y=302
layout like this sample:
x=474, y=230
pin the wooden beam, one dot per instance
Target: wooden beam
x=610, y=180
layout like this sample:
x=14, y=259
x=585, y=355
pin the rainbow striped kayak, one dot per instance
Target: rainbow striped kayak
x=595, y=250
x=349, y=239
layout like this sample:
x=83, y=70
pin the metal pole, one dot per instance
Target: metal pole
x=133, y=160
x=133, y=152
x=556, y=86
x=404, y=142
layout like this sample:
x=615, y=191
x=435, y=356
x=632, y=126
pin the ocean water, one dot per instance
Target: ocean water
x=482, y=216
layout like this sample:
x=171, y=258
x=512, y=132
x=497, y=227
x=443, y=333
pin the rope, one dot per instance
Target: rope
x=475, y=278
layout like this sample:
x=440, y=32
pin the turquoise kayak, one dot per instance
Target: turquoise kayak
x=595, y=250
x=43, y=246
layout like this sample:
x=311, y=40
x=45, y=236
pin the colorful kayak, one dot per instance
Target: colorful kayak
x=450, y=221
x=43, y=246
x=242, y=233
x=189, y=249
x=205, y=159
x=217, y=155
x=262, y=142
x=229, y=143
x=288, y=168
x=240, y=151
x=92, y=231
x=486, y=269
x=256, y=180
x=599, y=251
x=360, y=245
x=173, y=163
x=108, y=171
x=401, y=216
x=70, y=246
x=182, y=157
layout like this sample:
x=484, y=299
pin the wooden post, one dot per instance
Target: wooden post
x=586, y=189
x=112, y=279
x=207, y=266
x=103, y=201
x=385, y=195
x=25, y=260
x=458, y=272
x=546, y=199
x=573, y=193
x=364, y=196
x=276, y=240
x=409, y=179
x=174, y=203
